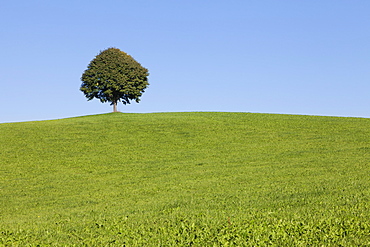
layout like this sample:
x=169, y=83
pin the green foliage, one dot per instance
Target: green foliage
x=185, y=179
x=114, y=76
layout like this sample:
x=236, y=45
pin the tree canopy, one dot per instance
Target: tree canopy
x=114, y=76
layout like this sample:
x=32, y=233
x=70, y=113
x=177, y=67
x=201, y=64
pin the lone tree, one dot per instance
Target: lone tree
x=114, y=76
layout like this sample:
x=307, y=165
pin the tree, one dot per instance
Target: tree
x=114, y=76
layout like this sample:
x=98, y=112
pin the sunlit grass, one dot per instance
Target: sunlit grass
x=186, y=178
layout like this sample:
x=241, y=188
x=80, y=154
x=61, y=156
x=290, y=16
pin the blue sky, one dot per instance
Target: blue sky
x=288, y=56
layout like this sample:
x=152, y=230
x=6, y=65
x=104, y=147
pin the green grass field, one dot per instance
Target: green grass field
x=186, y=179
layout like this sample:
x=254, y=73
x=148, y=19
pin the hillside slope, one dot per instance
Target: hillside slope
x=180, y=178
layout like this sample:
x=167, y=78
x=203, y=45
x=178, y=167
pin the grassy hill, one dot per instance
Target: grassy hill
x=199, y=179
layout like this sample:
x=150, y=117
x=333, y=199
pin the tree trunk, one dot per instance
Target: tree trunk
x=115, y=106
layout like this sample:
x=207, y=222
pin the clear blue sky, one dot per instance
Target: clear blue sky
x=287, y=56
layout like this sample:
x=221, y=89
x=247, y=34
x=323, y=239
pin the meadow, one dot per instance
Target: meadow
x=186, y=179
